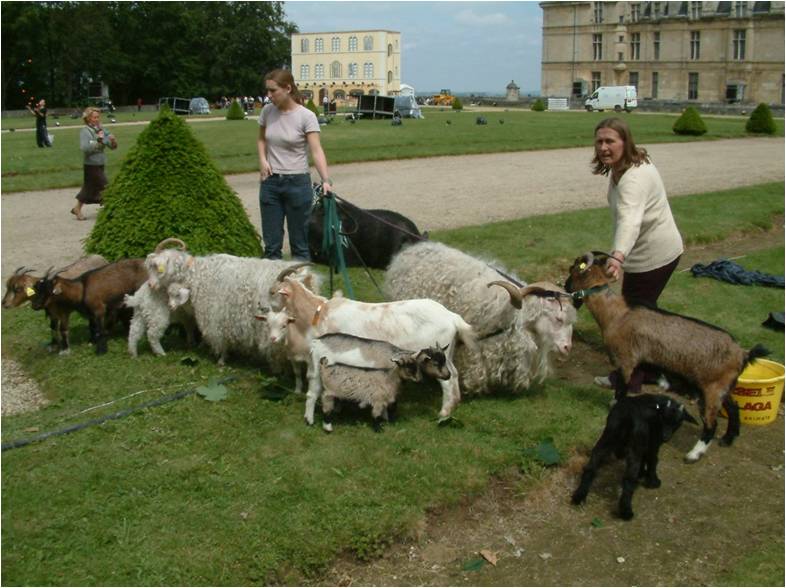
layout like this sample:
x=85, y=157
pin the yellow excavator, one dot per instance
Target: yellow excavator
x=444, y=98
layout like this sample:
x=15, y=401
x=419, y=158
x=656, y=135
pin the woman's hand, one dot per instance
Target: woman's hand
x=614, y=265
x=112, y=142
x=326, y=187
x=264, y=171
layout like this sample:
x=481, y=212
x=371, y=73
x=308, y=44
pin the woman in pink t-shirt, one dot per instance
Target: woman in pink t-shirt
x=287, y=132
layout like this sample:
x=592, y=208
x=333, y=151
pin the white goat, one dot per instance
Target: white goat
x=154, y=311
x=409, y=324
x=518, y=332
x=295, y=346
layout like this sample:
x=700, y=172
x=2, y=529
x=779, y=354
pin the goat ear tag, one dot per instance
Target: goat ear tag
x=582, y=266
x=29, y=291
x=161, y=268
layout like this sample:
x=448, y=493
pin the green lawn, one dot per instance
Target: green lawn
x=241, y=492
x=232, y=144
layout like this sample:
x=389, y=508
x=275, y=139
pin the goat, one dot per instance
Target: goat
x=154, y=311
x=226, y=293
x=377, y=387
x=409, y=324
x=635, y=429
x=702, y=355
x=518, y=332
x=296, y=345
x=373, y=236
x=97, y=294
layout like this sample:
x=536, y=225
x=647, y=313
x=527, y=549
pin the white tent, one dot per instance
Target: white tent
x=407, y=90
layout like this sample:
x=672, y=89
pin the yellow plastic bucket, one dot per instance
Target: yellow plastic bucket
x=758, y=392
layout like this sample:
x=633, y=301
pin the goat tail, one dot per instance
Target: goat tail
x=467, y=335
x=756, y=352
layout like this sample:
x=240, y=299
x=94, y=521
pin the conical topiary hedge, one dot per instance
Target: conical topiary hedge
x=761, y=121
x=235, y=111
x=689, y=123
x=169, y=187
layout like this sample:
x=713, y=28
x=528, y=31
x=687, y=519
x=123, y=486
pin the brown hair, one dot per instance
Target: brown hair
x=631, y=155
x=283, y=78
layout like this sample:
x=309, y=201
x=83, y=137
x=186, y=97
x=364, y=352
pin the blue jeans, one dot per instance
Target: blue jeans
x=283, y=196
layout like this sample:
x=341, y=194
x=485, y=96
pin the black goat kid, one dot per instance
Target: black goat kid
x=635, y=429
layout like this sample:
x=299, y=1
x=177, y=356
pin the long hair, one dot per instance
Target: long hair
x=283, y=78
x=631, y=155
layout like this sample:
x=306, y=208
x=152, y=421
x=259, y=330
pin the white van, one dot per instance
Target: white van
x=616, y=97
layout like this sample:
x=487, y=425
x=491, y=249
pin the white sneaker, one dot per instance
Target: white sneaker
x=603, y=382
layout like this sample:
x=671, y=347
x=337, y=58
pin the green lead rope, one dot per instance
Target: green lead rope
x=332, y=246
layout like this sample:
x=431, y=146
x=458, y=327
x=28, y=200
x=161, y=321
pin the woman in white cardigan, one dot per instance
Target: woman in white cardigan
x=647, y=243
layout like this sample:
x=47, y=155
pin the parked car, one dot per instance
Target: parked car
x=199, y=106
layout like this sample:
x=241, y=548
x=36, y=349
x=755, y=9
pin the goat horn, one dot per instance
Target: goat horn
x=542, y=288
x=291, y=269
x=181, y=245
x=20, y=271
x=515, y=293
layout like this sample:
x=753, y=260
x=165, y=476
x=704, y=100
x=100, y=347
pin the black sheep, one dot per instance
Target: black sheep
x=635, y=429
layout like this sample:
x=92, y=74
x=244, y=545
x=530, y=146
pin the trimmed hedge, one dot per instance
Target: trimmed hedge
x=761, y=121
x=538, y=105
x=169, y=187
x=235, y=111
x=312, y=107
x=689, y=123
x=457, y=105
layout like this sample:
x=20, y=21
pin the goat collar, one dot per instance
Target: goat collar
x=317, y=315
x=584, y=294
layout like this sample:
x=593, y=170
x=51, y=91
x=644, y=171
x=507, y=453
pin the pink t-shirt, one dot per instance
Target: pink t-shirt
x=285, y=137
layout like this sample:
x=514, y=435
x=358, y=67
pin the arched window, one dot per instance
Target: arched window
x=319, y=71
x=339, y=95
x=335, y=70
x=390, y=50
x=390, y=77
x=368, y=70
x=368, y=43
x=335, y=44
x=353, y=43
x=307, y=94
x=353, y=71
x=304, y=45
x=304, y=72
x=319, y=45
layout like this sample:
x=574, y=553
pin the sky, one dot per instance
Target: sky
x=464, y=46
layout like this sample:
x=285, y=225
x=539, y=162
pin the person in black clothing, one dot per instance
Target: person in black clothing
x=41, y=132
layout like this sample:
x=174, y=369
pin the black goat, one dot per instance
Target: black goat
x=375, y=235
x=635, y=429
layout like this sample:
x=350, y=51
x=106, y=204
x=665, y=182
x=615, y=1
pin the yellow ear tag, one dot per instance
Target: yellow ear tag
x=30, y=292
x=161, y=268
x=582, y=266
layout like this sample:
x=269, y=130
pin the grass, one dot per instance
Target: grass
x=241, y=492
x=232, y=144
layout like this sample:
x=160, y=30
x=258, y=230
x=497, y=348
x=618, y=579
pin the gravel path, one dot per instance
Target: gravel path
x=437, y=193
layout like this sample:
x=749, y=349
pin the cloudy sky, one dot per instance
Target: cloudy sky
x=464, y=46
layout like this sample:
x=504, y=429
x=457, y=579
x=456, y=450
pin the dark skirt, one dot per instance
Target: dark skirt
x=94, y=183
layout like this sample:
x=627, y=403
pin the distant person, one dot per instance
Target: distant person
x=139, y=105
x=647, y=243
x=326, y=104
x=93, y=139
x=287, y=132
x=41, y=131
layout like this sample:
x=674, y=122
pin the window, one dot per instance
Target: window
x=390, y=77
x=319, y=72
x=620, y=56
x=693, y=86
x=598, y=12
x=319, y=45
x=695, y=10
x=304, y=45
x=621, y=39
x=390, y=50
x=353, y=71
x=335, y=70
x=597, y=46
x=353, y=43
x=633, y=79
x=635, y=44
x=595, y=81
x=635, y=12
x=304, y=72
x=335, y=44
x=740, y=9
x=368, y=70
x=654, y=84
x=695, y=45
x=656, y=10
x=368, y=43
x=738, y=44
x=656, y=45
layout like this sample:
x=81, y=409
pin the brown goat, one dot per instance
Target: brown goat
x=19, y=287
x=704, y=356
x=97, y=294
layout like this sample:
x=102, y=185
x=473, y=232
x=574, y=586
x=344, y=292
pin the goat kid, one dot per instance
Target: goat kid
x=635, y=429
x=702, y=355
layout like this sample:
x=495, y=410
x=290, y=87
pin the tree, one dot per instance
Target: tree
x=169, y=187
x=689, y=123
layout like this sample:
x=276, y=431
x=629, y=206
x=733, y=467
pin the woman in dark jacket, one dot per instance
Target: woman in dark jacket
x=92, y=141
x=41, y=132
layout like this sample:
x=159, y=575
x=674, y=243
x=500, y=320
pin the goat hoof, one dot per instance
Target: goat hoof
x=65, y=352
x=652, y=483
x=689, y=458
x=724, y=442
x=626, y=514
x=327, y=427
x=578, y=498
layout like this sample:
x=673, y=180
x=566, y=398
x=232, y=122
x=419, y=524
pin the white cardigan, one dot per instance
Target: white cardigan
x=644, y=228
